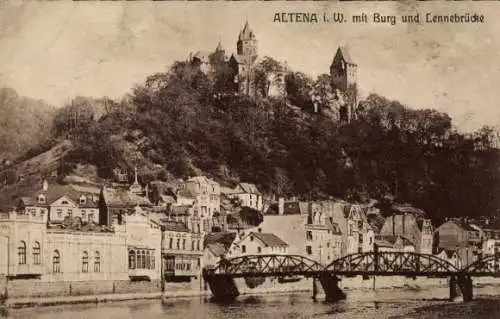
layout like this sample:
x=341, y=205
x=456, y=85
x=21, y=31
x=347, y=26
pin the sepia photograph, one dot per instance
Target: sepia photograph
x=249, y=159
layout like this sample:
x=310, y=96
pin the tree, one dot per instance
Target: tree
x=298, y=88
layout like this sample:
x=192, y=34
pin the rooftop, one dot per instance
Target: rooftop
x=270, y=240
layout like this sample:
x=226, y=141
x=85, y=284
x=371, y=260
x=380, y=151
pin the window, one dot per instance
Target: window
x=243, y=249
x=59, y=212
x=97, y=262
x=56, y=261
x=21, y=253
x=84, y=214
x=309, y=250
x=192, y=245
x=70, y=213
x=152, y=263
x=148, y=260
x=41, y=199
x=85, y=262
x=251, y=238
x=259, y=250
x=309, y=235
x=184, y=243
x=64, y=202
x=197, y=245
x=178, y=243
x=171, y=243
x=91, y=217
x=36, y=253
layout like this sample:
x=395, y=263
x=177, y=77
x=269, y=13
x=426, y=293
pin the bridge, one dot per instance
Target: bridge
x=409, y=264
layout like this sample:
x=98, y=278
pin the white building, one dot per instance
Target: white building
x=255, y=243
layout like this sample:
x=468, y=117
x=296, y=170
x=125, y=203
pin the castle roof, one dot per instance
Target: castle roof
x=346, y=55
x=246, y=32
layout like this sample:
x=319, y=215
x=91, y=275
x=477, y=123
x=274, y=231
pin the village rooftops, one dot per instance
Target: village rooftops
x=57, y=191
x=115, y=197
x=246, y=188
x=268, y=239
x=407, y=209
x=224, y=238
x=217, y=249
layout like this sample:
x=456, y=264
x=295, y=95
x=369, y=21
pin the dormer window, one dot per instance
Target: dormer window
x=83, y=199
x=41, y=199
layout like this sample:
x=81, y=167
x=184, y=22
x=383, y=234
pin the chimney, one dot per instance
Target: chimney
x=281, y=206
x=45, y=185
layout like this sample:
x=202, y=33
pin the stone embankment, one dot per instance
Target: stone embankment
x=270, y=286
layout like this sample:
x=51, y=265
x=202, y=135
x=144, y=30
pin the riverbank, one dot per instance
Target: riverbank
x=479, y=308
x=268, y=288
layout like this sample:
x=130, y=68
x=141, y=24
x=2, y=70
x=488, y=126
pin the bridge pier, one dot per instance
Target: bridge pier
x=467, y=288
x=453, y=288
x=330, y=284
x=223, y=287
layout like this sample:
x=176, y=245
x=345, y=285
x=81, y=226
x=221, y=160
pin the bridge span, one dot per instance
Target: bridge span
x=220, y=279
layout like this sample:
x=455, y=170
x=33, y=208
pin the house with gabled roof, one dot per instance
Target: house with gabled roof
x=255, y=243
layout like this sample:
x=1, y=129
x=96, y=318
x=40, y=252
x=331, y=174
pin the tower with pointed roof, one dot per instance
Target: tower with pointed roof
x=246, y=45
x=344, y=74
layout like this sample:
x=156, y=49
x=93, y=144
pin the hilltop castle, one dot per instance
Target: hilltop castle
x=343, y=72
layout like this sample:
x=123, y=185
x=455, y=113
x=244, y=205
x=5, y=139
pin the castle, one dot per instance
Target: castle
x=343, y=73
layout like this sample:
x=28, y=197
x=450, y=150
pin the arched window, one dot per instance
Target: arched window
x=85, y=262
x=56, y=261
x=36, y=253
x=198, y=245
x=21, y=253
x=131, y=259
x=97, y=262
x=184, y=243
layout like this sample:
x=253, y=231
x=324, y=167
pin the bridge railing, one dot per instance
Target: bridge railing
x=375, y=262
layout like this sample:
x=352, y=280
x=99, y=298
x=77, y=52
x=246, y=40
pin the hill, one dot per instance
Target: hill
x=24, y=123
x=182, y=123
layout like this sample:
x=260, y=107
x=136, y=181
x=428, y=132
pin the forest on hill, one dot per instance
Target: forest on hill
x=24, y=123
x=184, y=122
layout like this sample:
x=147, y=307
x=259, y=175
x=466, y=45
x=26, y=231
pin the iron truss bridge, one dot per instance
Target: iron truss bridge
x=408, y=264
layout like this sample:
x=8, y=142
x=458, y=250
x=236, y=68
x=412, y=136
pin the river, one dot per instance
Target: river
x=383, y=303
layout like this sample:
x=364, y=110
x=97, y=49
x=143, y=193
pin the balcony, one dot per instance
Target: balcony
x=28, y=270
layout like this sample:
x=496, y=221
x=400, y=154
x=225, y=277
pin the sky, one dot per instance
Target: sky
x=57, y=50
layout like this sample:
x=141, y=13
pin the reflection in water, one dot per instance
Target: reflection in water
x=360, y=304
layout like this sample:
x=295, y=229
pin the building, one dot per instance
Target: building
x=182, y=243
x=491, y=243
x=202, y=193
x=217, y=245
x=344, y=73
x=258, y=243
x=248, y=195
x=395, y=243
x=459, y=236
x=323, y=236
x=450, y=256
x=114, y=203
x=412, y=226
x=76, y=253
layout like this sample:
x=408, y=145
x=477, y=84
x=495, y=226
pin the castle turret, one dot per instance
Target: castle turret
x=247, y=44
x=344, y=73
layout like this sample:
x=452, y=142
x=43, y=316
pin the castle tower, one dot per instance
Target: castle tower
x=247, y=44
x=344, y=74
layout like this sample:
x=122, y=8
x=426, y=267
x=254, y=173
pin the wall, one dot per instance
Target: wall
x=38, y=288
x=71, y=245
x=143, y=234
